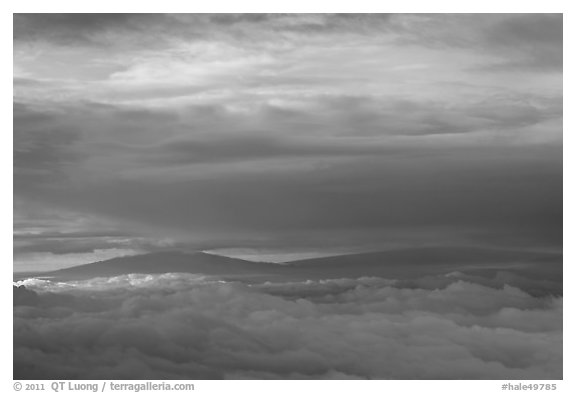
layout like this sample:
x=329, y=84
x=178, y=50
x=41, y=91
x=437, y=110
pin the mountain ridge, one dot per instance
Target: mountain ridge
x=397, y=263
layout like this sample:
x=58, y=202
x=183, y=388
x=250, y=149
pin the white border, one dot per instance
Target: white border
x=260, y=6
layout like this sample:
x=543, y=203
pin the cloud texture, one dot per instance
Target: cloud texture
x=285, y=131
x=187, y=326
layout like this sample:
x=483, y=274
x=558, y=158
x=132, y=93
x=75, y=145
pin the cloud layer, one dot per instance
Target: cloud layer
x=297, y=131
x=185, y=326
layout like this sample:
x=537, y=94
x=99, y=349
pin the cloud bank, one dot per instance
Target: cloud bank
x=285, y=131
x=186, y=326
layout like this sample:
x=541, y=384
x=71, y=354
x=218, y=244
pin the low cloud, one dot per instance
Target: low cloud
x=185, y=326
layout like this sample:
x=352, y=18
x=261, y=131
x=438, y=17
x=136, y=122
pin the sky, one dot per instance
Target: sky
x=269, y=136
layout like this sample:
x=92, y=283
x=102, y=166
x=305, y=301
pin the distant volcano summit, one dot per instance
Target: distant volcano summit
x=402, y=264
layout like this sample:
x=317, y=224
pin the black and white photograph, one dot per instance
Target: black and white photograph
x=288, y=196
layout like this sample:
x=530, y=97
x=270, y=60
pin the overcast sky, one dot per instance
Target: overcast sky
x=284, y=133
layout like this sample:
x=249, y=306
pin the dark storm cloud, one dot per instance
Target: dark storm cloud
x=518, y=41
x=327, y=126
x=114, y=29
x=64, y=243
x=529, y=30
x=79, y=28
x=535, y=38
x=516, y=192
x=406, y=117
x=47, y=242
x=259, y=147
x=522, y=41
x=519, y=31
x=295, y=128
x=354, y=115
x=43, y=146
x=176, y=326
x=29, y=82
x=72, y=235
x=273, y=173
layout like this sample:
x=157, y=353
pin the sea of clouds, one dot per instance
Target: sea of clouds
x=183, y=326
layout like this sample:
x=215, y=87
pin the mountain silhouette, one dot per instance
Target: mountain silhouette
x=412, y=262
x=400, y=264
x=166, y=262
